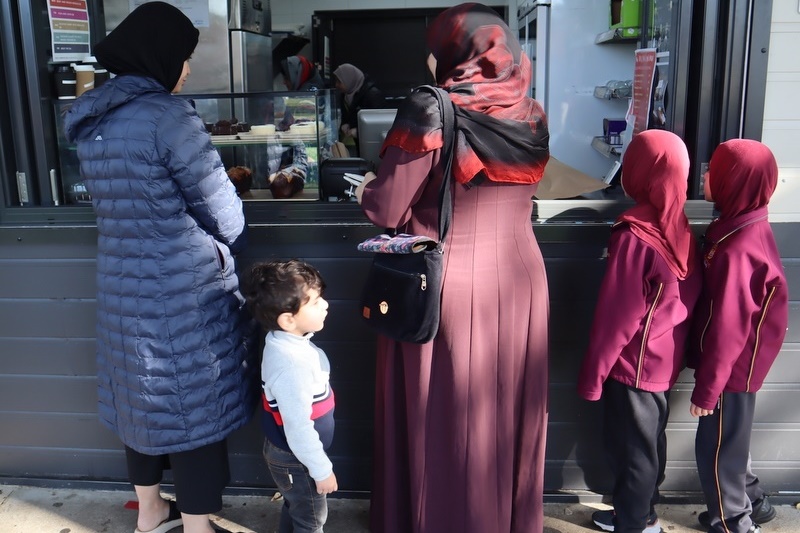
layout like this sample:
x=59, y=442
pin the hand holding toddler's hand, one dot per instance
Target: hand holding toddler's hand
x=327, y=485
x=699, y=411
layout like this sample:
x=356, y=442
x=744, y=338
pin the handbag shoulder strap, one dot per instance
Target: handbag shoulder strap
x=448, y=149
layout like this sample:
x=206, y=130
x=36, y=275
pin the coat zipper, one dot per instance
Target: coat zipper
x=758, y=337
x=647, y=332
x=708, y=323
x=708, y=256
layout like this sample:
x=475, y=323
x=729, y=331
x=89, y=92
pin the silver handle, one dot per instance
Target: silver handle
x=54, y=187
x=22, y=188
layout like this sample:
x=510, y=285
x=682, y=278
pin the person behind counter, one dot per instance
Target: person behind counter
x=642, y=320
x=460, y=421
x=173, y=364
x=299, y=74
x=360, y=92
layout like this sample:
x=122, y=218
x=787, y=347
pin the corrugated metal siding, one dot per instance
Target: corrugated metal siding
x=782, y=107
x=48, y=421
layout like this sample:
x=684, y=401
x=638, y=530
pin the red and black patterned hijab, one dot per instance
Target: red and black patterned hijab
x=501, y=132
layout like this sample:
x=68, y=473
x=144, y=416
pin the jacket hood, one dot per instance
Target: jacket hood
x=655, y=170
x=742, y=176
x=92, y=106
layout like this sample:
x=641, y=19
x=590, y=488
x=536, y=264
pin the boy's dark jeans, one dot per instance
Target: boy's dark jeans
x=304, y=511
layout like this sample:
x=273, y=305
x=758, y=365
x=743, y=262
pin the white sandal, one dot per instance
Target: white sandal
x=172, y=521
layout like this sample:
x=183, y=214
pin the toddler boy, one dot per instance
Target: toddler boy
x=286, y=298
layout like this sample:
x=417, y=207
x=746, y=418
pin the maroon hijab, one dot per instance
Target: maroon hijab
x=742, y=176
x=502, y=133
x=655, y=170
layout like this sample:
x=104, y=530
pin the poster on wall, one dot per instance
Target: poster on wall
x=643, y=74
x=69, y=29
x=195, y=10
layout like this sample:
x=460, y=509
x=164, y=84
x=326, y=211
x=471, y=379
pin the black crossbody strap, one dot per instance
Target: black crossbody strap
x=448, y=149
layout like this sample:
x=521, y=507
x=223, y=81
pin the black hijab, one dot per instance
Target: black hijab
x=154, y=40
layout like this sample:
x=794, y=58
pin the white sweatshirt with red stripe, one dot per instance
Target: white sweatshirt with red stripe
x=298, y=402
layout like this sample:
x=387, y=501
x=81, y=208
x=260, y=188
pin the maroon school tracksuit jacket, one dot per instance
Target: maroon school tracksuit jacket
x=743, y=312
x=641, y=321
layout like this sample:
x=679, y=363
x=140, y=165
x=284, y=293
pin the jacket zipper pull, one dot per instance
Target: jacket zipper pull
x=424, y=283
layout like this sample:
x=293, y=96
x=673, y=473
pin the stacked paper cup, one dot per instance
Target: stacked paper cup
x=84, y=78
x=64, y=78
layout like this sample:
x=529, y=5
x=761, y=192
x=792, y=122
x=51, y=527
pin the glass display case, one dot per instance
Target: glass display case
x=276, y=137
x=271, y=143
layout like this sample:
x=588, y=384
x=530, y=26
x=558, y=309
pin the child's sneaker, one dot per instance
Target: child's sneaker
x=605, y=521
x=762, y=513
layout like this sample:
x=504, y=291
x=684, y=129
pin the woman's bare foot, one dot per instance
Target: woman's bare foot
x=151, y=514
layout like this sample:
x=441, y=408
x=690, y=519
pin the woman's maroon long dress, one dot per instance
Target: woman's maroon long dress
x=460, y=422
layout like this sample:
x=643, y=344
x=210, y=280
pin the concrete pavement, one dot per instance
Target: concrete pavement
x=29, y=509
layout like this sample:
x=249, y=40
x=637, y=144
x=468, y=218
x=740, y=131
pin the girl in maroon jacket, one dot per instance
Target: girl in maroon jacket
x=739, y=330
x=641, y=323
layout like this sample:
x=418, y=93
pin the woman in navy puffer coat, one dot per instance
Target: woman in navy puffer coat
x=173, y=364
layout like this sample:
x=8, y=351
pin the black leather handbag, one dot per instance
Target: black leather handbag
x=402, y=296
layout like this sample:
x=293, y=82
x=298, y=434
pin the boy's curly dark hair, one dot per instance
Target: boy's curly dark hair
x=278, y=287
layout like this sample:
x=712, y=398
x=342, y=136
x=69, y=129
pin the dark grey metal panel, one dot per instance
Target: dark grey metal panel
x=47, y=385
x=793, y=333
x=681, y=476
x=52, y=357
x=47, y=242
x=40, y=318
x=48, y=394
x=45, y=278
x=792, y=269
x=82, y=431
x=784, y=374
x=786, y=369
x=788, y=243
x=775, y=406
x=62, y=463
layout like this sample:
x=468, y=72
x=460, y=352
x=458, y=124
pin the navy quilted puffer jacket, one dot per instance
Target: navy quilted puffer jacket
x=173, y=362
